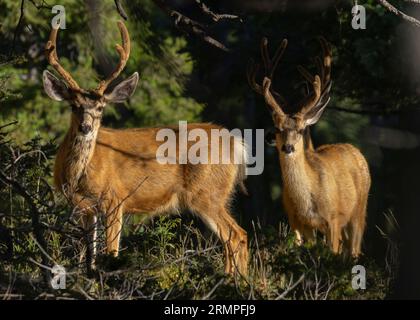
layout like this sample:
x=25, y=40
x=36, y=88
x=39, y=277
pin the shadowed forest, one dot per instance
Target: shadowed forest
x=192, y=59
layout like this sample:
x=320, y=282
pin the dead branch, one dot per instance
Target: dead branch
x=121, y=10
x=191, y=26
x=18, y=26
x=399, y=13
x=215, y=16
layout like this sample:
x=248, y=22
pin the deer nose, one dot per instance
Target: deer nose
x=85, y=128
x=288, y=148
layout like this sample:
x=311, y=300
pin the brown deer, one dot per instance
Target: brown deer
x=113, y=172
x=324, y=189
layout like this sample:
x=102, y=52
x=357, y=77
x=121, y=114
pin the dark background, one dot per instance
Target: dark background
x=375, y=93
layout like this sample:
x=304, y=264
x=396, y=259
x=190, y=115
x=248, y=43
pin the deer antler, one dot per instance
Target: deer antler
x=321, y=83
x=124, y=52
x=51, y=54
x=270, y=66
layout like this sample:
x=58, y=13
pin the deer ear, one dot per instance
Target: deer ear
x=313, y=117
x=54, y=87
x=123, y=90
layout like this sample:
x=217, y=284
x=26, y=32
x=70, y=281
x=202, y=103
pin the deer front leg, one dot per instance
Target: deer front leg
x=89, y=223
x=297, y=229
x=294, y=222
x=335, y=237
x=113, y=230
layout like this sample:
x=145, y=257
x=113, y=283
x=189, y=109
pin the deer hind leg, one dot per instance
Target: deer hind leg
x=113, y=223
x=234, y=238
x=356, y=238
x=357, y=230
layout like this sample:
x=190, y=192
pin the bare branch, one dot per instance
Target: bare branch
x=399, y=13
x=191, y=26
x=215, y=16
x=42, y=5
x=18, y=26
x=121, y=10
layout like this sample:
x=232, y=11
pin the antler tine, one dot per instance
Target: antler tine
x=321, y=83
x=124, y=53
x=269, y=98
x=51, y=54
x=264, y=54
x=269, y=67
x=327, y=60
x=277, y=56
x=251, y=73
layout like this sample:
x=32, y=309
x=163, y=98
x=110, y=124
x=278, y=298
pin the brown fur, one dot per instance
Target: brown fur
x=116, y=171
x=325, y=189
x=107, y=171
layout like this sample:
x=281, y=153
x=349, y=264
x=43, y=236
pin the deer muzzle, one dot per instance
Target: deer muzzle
x=85, y=128
x=288, y=148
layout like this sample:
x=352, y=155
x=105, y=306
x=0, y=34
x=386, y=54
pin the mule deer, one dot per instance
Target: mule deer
x=324, y=189
x=101, y=169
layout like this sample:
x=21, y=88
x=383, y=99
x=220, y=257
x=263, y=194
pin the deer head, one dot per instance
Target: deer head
x=88, y=105
x=290, y=128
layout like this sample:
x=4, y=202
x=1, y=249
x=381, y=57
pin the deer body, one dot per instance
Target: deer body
x=324, y=189
x=116, y=172
x=113, y=172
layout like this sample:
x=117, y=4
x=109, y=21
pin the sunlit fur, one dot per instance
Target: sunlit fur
x=116, y=171
x=324, y=189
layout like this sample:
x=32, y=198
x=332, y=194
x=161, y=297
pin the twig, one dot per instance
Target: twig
x=189, y=26
x=208, y=295
x=15, y=34
x=43, y=5
x=8, y=124
x=399, y=13
x=215, y=16
x=290, y=288
x=121, y=10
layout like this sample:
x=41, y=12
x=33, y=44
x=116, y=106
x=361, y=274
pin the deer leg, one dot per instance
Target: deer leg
x=335, y=237
x=113, y=230
x=357, y=228
x=358, y=224
x=236, y=241
x=308, y=234
x=234, y=238
x=296, y=228
x=89, y=223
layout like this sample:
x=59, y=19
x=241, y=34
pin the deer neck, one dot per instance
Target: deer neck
x=296, y=174
x=80, y=151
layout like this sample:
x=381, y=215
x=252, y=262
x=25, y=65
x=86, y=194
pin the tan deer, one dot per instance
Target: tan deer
x=324, y=189
x=116, y=171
